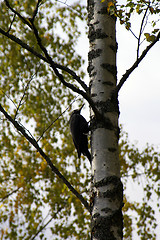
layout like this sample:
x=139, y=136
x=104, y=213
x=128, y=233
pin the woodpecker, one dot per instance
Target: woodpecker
x=79, y=129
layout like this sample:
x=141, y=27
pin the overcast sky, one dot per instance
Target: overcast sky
x=139, y=97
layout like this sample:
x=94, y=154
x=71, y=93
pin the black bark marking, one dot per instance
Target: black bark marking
x=108, y=180
x=93, y=95
x=103, y=11
x=114, y=48
x=96, y=34
x=110, y=68
x=108, y=83
x=102, y=227
x=90, y=9
x=90, y=68
x=112, y=149
x=106, y=210
x=101, y=123
x=111, y=105
x=95, y=23
x=94, y=54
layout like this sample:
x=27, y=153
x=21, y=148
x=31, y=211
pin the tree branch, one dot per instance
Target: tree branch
x=60, y=76
x=54, y=66
x=29, y=23
x=17, y=13
x=40, y=56
x=25, y=89
x=36, y=10
x=14, y=16
x=9, y=194
x=43, y=227
x=141, y=30
x=135, y=65
x=48, y=59
x=48, y=160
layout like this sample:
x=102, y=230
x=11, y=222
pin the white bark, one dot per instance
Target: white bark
x=107, y=187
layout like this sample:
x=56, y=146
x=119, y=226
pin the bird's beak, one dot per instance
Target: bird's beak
x=81, y=107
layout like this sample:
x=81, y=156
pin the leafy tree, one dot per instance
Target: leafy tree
x=142, y=169
x=40, y=74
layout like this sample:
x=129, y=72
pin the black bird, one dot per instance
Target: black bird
x=79, y=129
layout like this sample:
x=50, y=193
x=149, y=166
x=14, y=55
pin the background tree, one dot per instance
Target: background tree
x=34, y=98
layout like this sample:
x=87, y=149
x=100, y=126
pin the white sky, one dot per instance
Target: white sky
x=139, y=97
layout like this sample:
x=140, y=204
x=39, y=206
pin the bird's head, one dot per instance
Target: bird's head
x=77, y=111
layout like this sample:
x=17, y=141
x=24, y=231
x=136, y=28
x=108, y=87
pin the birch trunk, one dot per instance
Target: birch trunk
x=107, y=190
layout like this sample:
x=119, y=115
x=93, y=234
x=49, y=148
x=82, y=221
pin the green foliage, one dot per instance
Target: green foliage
x=33, y=199
x=142, y=169
x=32, y=94
x=129, y=8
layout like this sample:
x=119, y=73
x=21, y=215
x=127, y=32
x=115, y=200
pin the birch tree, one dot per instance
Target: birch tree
x=40, y=75
x=107, y=187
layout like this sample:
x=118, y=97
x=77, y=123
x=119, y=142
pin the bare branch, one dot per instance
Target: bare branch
x=141, y=30
x=14, y=16
x=25, y=89
x=135, y=65
x=36, y=10
x=48, y=160
x=48, y=59
x=20, y=102
x=43, y=227
x=18, y=14
x=9, y=194
x=53, y=65
x=9, y=98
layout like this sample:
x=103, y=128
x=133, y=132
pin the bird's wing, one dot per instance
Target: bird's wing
x=83, y=124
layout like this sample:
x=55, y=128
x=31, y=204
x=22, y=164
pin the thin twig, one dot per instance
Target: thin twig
x=14, y=16
x=56, y=119
x=135, y=65
x=9, y=194
x=133, y=33
x=26, y=130
x=9, y=98
x=25, y=89
x=36, y=10
x=140, y=32
x=18, y=14
x=43, y=227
